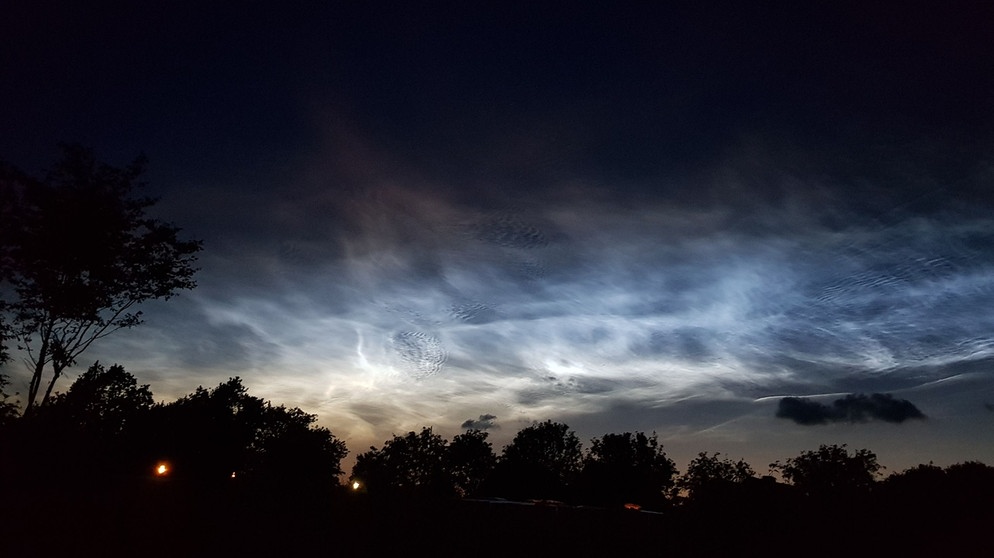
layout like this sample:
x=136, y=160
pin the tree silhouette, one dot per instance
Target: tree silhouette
x=830, y=471
x=94, y=428
x=470, y=460
x=289, y=444
x=211, y=434
x=540, y=462
x=105, y=402
x=409, y=465
x=709, y=476
x=81, y=254
x=8, y=409
x=919, y=487
x=627, y=468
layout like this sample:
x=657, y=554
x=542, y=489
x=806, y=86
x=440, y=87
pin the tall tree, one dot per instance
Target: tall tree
x=212, y=433
x=540, y=462
x=410, y=465
x=81, y=254
x=711, y=476
x=830, y=471
x=470, y=460
x=627, y=468
x=104, y=401
x=93, y=431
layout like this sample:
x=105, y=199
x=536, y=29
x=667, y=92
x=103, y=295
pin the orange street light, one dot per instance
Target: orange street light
x=162, y=469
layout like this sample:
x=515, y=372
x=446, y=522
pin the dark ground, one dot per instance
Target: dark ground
x=153, y=518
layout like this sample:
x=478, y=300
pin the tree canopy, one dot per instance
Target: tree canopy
x=540, y=462
x=80, y=254
x=627, y=468
x=106, y=427
x=105, y=401
x=213, y=433
x=8, y=409
x=830, y=471
x=710, y=475
x=470, y=460
x=426, y=464
x=412, y=464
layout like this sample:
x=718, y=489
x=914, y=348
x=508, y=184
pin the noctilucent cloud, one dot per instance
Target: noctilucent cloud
x=661, y=221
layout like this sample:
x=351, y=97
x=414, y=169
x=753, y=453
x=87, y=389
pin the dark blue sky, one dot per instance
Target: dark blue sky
x=656, y=219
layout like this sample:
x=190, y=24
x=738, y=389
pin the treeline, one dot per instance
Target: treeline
x=546, y=464
x=106, y=428
x=222, y=471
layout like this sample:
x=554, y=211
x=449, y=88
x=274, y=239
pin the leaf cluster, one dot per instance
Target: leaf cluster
x=106, y=428
x=425, y=464
x=213, y=433
x=708, y=474
x=830, y=470
x=626, y=468
x=79, y=254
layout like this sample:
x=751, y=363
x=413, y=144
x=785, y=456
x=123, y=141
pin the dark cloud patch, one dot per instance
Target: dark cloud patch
x=485, y=422
x=803, y=411
x=989, y=407
x=851, y=408
x=878, y=406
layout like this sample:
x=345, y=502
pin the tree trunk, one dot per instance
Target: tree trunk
x=35, y=383
x=57, y=369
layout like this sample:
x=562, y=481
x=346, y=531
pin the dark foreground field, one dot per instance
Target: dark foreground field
x=163, y=519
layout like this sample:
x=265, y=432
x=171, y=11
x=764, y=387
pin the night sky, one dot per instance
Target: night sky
x=421, y=214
